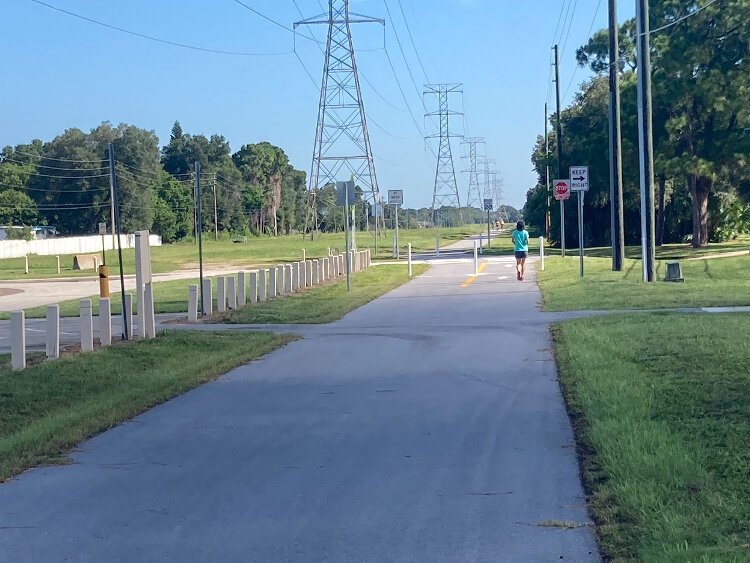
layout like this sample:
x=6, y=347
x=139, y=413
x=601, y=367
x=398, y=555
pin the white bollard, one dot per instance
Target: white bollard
x=241, y=289
x=148, y=310
x=262, y=285
x=221, y=294
x=272, y=283
x=231, y=292
x=321, y=270
x=541, y=251
x=105, y=322
x=87, y=327
x=58, y=264
x=208, y=299
x=304, y=257
x=288, y=272
x=303, y=274
x=26, y=264
x=327, y=268
x=476, y=259
x=53, y=331
x=18, y=340
x=408, y=257
x=328, y=251
x=309, y=273
x=341, y=265
x=481, y=244
x=395, y=248
x=127, y=310
x=315, y=272
x=193, y=303
x=253, y=287
x=437, y=244
x=280, y=280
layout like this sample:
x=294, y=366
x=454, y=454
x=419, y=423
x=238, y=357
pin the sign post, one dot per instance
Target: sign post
x=562, y=192
x=488, y=208
x=579, y=182
x=345, y=194
x=396, y=198
x=103, y=269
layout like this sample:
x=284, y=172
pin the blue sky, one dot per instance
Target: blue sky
x=62, y=72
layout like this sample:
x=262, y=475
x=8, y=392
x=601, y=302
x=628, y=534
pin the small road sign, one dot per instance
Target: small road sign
x=102, y=228
x=488, y=205
x=395, y=197
x=345, y=193
x=579, y=178
x=562, y=189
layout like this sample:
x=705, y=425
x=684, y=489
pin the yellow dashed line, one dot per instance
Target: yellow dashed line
x=471, y=279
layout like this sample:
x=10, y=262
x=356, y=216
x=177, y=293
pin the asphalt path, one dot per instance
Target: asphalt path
x=427, y=425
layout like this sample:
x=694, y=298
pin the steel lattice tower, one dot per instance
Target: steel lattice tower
x=445, y=193
x=474, y=196
x=342, y=142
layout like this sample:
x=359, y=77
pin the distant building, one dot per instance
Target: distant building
x=35, y=233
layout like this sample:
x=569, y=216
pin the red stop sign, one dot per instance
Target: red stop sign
x=562, y=190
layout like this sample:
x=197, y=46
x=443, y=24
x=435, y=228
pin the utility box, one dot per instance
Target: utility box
x=674, y=272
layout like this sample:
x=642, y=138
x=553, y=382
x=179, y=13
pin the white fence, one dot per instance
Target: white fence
x=68, y=245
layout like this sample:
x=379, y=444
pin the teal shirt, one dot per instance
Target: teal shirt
x=521, y=240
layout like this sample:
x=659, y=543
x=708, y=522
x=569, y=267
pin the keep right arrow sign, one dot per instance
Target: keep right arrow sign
x=579, y=178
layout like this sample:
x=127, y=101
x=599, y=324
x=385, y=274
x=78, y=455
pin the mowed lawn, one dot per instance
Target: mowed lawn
x=708, y=282
x=661, y=407
x=49, y=408
x=255, y=252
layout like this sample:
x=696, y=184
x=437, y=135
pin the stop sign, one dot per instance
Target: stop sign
x=562, y=189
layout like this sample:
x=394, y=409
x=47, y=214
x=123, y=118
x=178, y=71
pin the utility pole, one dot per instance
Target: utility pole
x=548, y=215
x=116, y=227
x=342, y=140
x=216, y=214
x=112, y=192
x=559, y=147
x=645, y=141
x=199, y=225
x=615, y=150
x=445, y=192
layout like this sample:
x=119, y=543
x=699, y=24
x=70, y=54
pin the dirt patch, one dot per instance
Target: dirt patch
x=5, y=291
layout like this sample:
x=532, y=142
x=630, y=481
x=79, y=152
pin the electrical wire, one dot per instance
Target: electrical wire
x=588, y=35
x=570, y=25
x=31, y=154
x=158, y=39
x=680, y=20
x=411, y=37
x=274, y=22
x=21, y=162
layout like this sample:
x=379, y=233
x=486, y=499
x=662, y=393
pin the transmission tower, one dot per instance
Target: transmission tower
x=342, y=142
x=487, y=176
x=445, y=193
x=474, y=197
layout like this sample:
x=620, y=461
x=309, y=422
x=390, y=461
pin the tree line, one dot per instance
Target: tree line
x=701, y=121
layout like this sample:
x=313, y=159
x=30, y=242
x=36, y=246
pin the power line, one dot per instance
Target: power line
x=682, y=19
x=274, y=22
x=570, y=25
x=157, y=39
x=411, y=37
x=588, y=35
x=41, y=157
x=22, y=163
x=403, y=54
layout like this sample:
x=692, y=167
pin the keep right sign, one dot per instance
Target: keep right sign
x=579, y=178
x=561, y=189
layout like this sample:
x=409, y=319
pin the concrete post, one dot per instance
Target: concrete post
x=541, y=251
x=408, y=258
x=288, y=272
x=342, y=271
x=262, y=285
x=241, y=289
x=232, y=292
x=481, y=244
x=326, y=268
x=87, y=326
x=476, y=259
x=127, y=311
x=18, y=340
x=253, y=287
x=148, y=310
x=221, y=294
x=335, y=266
x=208, y=299
x=304, y=257
x=303, y=274
x=53, y=331
x=272, y=283
x=309, y=273
x=314, y=273
x=105, y=322
x=26, y=264
x=193, y=303
x=280, y=280
x=58, y=264
x=295, y=276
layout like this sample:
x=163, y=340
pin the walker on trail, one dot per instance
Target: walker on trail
x=521, y=247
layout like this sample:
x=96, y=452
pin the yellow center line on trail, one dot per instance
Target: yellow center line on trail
x=471, y=279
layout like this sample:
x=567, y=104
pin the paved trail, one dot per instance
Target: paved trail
x=422, y=427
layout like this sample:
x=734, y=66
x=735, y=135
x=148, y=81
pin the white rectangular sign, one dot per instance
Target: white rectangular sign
x=395, y=197
x=579, y=178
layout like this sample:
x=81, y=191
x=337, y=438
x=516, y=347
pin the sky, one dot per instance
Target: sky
x=62, y=72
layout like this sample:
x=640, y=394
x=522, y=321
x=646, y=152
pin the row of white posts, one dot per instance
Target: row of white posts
x=86, y=319
x=264, y=284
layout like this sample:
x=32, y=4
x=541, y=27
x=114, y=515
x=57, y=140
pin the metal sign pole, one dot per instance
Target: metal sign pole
x=398, y=254
x=489, y=239
x=346, y=240
x=562, y=227
x=580, y=229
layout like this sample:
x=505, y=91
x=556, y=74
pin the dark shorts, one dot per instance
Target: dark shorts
x=521, y=254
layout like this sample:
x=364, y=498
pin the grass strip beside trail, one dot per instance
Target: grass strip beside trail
x=661, y=407
x=717, y=282
x=329, y=302
x=48, y=409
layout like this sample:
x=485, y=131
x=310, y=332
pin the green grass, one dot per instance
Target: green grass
x=661, y=406
x=708, y=282
x=47, y=409
x=327, y=303
x=256, y=252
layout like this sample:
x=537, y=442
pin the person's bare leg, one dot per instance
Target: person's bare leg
x=518, y=269
x=523, y=268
